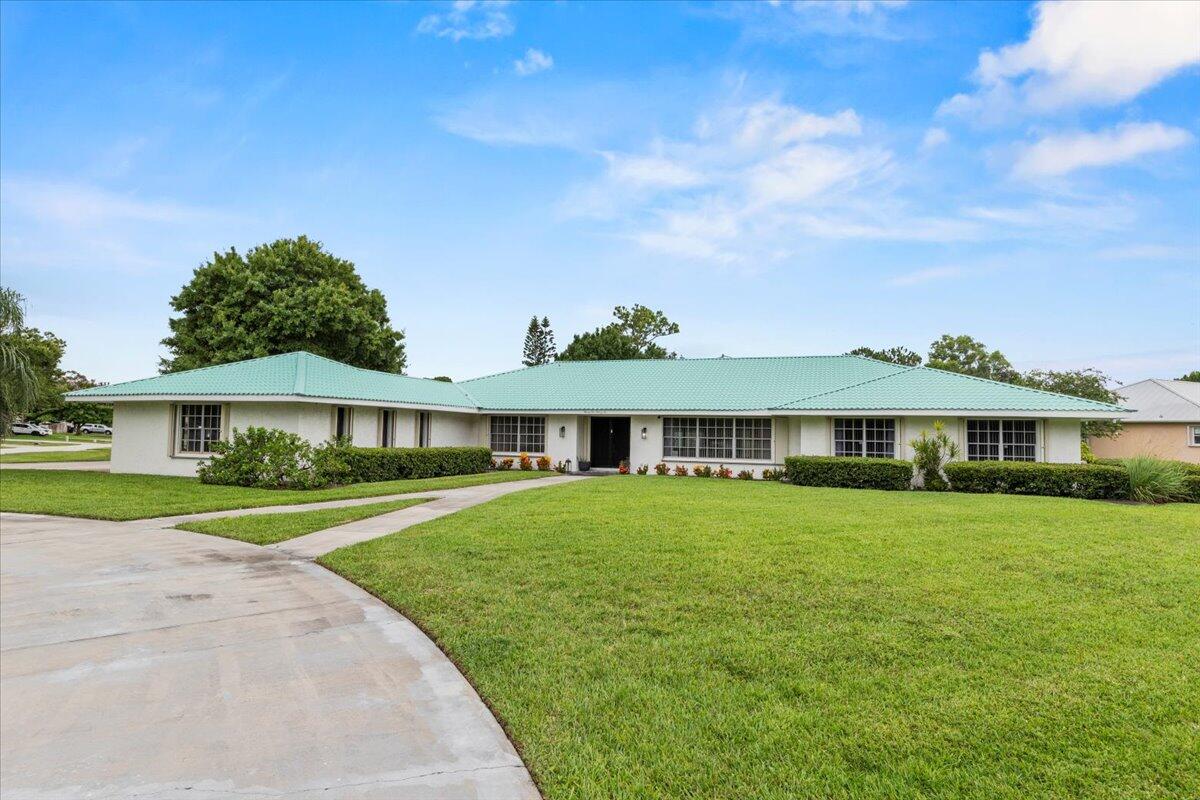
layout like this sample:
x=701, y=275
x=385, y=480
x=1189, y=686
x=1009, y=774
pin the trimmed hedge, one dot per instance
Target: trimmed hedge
x=1192, y=481
x=372, y=464
x=848, y=473
x=1089, y=481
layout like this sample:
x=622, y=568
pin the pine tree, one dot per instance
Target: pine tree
x=549, y=348
x=539, y=343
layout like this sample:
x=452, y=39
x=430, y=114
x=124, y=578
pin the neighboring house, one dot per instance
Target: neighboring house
x=746, y=413
x=1166, y=423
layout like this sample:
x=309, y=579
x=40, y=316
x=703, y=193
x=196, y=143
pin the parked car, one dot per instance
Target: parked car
x=29, y=429
x=95, y=427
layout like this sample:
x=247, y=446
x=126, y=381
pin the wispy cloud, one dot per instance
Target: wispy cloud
x=934, y=138
x=1063, y=153
x=78, y=205
x=470, y=19
x=533, y=62
x=1088, y=52
x=925, y=276
x=1149, y=252
x=781, y=20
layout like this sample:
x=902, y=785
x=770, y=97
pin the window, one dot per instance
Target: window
x=1001, y=440
x=873, y=438
x=1194, y=441
x=199, y=427
x=343, y=421
x=518, y=434
x=754, y=439
x=717, y=438
x=424, y=428
x=387, y=427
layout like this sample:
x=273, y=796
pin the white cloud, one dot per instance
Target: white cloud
x=651, y=172
x=1082, y=219
x=76, y=205
x=1148, y=252
x=782, y=20
x=1088, y=52
x=532, y=62
x=925, y=276
x=1063, y=153
x=934, y=138
x=470, y=19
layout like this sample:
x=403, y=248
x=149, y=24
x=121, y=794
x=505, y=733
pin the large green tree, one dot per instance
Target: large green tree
x=970, y=357
x=896, y=355
x=280, y=297
x=18, y=382
x=1193, y=376
x=633, y=336
x=539, y=343
x=1091, y=384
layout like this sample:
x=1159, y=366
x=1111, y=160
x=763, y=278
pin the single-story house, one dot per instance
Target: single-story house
x=1166, y=423
x=745, y=413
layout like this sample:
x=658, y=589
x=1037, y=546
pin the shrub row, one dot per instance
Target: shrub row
x=1088, y=481
x=848, y=473
x=371, y=464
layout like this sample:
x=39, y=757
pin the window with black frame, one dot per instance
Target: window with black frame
x=860, y=436
x=1001, y=440
x=199, y=427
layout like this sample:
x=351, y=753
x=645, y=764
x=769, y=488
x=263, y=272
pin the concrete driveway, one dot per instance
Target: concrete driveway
x=166, y=664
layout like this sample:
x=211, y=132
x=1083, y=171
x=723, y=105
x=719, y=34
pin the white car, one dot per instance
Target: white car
x=29, y=429
x=95, y=427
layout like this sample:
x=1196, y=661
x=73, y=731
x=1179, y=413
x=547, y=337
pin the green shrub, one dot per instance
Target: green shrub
x=1154, y=480
x=372, y=464
x=268, y=458
x=1192, y=484
x=848, y=473
x=1091, y=481
x=931, y=454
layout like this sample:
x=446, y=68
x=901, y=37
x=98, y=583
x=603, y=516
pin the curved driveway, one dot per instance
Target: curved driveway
x=163, y=664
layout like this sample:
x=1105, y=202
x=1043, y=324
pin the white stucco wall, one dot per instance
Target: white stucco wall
x=454, y=430
x=1062, y=441
x=142, y=440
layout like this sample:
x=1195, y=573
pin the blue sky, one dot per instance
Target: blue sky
x=779, y=178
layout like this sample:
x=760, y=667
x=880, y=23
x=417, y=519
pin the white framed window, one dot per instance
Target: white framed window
x=871, y=437
x=199, y=426
x=387, y=427
x=1001, y=440
x=510, y=434
x=1194, y=435
x=424, y=428
x=343, y=422
x=717, y=438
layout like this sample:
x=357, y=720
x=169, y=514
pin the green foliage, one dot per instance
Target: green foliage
x=848, y=473
x=970, y=357
x=1088, y=481
x=1090, y=384
x=931, y=454
x=443, y=378
x=370, y=464
x=268, y=458
x=896, y=355
x=632, y=336
x=1155, y=480
x=539, y=343
x=1193, y=376
x=281, y=297
x=18, y=382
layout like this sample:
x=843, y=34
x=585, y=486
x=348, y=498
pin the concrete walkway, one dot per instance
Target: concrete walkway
x=86, y=466
x=13, y=449
x=141, y=661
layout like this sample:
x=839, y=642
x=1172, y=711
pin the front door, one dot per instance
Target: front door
x=610, y=441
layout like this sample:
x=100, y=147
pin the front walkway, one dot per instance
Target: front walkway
x=141, y=661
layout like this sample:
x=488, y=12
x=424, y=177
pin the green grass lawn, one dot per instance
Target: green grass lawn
x=272, y=528
x=645, y=637
x=99, y=454
x=57, y=439
x=100, y=495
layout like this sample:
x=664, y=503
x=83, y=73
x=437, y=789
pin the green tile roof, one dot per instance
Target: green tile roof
x=804, y=383
x=297, y=374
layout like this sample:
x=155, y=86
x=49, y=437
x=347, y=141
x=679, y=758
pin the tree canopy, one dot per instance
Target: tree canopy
x=970, y=357
x=1193, y=376
x=539, y=343
x=896, y=355
x=1091, y=384
x=633, y=336
x=280, y=297
x=18, y=383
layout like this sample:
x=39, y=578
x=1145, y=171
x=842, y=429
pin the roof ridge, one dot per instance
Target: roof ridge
x=1164, y=383
x=301, y=372
x=199, y=369
x=900, y=371
x=1108, y=406
x=556, y=362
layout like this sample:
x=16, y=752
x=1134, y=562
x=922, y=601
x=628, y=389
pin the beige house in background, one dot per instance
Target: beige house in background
x=1166, y=423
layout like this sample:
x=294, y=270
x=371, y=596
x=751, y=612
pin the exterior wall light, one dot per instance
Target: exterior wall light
x=562, y=431
x=643, y=432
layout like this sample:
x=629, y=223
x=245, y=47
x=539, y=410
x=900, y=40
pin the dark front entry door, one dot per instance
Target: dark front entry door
x=610, y=441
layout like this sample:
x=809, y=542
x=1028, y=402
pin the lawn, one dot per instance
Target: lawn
x=667, y=637
x=57, y=439
x=100, y=495
x=99, y=454
x=272, y=528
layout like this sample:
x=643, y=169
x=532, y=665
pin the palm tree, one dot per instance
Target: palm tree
x=18, y=384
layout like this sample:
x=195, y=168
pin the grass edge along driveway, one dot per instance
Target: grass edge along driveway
x=663, y=637
x=102, y=495
x=263, y=529
x=95, y=454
